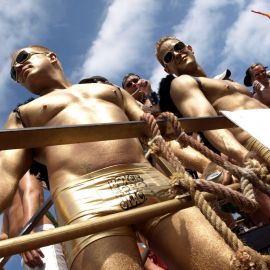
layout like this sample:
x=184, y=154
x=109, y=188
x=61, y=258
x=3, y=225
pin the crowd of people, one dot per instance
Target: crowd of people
x=90, y=180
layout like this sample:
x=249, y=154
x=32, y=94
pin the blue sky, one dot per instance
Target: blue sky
x=114, y=37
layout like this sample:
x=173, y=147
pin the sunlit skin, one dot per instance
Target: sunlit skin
x=259, y=73
x=25, y=203
x=139, y=88
x=214, y=96
x=179, y=239
x=217, y=95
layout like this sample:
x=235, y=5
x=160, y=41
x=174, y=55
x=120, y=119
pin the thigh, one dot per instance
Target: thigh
x=185, y=240
x=112, y=253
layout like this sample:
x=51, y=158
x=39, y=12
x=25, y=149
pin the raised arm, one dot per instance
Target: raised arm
x=13, y=165
x=5, y=228
x=31, y=195
x=132, y=109
x=191, y=102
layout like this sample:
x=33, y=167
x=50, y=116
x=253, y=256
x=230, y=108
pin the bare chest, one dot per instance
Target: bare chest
x=69, y=107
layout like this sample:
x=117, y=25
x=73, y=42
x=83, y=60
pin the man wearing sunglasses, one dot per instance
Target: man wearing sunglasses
x=89, y=180
x=141, y=90
x=257, y=77
x=196, y=95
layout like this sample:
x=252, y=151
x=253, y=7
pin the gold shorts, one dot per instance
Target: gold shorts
x=107, y=191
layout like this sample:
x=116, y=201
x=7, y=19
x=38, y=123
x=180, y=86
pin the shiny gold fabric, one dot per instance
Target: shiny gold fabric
x=106, y=191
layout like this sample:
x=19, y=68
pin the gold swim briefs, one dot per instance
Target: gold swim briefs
x=107, y=191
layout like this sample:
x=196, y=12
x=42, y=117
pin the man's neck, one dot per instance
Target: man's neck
x=55, y=84
x=198, y=72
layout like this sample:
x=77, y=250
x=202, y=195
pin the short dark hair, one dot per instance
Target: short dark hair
x=127, y=76
x=94, y=79
x=247, y=79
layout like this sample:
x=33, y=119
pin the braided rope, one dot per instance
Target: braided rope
x=246, y=175
x=223, y=192
x=199, y=199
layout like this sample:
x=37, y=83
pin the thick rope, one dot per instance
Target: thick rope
x=255, y=146
x=187, y=181
x=222, y=192
x=245, y=175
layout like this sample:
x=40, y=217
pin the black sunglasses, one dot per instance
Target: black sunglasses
x=178, y=47
x=20, y=59
x=259, y=72
x=135, y=80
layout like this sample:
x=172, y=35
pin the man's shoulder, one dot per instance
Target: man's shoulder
x=181, y=82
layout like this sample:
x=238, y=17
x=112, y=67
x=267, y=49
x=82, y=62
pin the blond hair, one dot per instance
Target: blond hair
x=159, y=44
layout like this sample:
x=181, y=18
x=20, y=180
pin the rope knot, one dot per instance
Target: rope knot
x=243, y=260
x=175, y=130
x=153, y=129
x=258, y=168
x=176, y=178
x=153, y=147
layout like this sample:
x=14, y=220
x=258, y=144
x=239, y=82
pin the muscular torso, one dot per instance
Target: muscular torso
x=81, y=104
x=194, y=100
x=224, y=95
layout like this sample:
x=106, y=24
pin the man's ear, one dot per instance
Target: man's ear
x=52, y=57
x=190, y=48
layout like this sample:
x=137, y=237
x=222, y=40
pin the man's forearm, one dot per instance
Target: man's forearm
x=226, y=143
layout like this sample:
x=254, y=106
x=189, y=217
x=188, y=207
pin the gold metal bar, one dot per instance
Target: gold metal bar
x=69, y=232
x=58, y=135
x=27, y=242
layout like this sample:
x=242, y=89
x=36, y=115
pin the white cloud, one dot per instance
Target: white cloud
x=204, y=27
x=122, y=41
x=247, y=40
x=20, y=21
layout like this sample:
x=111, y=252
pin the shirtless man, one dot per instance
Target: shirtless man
x=141, y=90
x=191, y=88
x=104, y=177
x=257, y=73
x=195, y=95
x=27, y=200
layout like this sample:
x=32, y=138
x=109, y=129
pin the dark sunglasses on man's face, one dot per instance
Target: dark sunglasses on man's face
x=129, y=84
x=178, y=47
x=20, y=59
x=259, y=72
